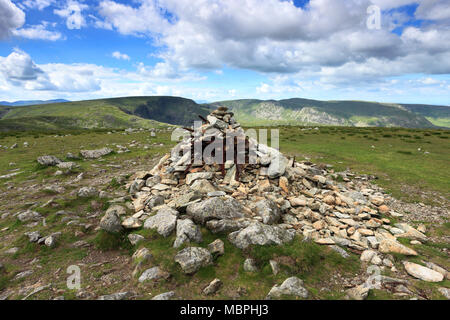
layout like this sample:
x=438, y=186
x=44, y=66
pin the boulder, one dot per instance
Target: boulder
x=292, y=286
x=422, y=273
x=164, y=221
x=203, y=186
x=135, y=238
x=187, y=231
x=48, y=161
x=215, y=208
x=227, y=225
x=191, y=259
x=217, y=248
x=111, y=222
x=359, y=292
x=29, y=215
x=87, y=192
x=250, y=265
x=277, y=166
x=164, y=296
x=260, y=234
x=154, y=273
x=213, y=287
x=268, y=210
x=95, y=154
x=392, y=246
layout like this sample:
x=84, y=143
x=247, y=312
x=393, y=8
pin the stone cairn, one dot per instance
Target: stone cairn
x=268, y=202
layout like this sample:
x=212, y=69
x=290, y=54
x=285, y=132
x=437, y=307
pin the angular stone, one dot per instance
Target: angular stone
x=164, y=221
x=202, y=186
x=391, y=246
x=48, y=161
x=215, y=208
x=217, y=248
x=191, y=259
x=187, y=231
x=292, y=286
x=164, y=296
x=111, y=222
x=191, y=177
x=268, y=210
x=359, y=292
x=95, y=154
x=154, y=273
x=87, y=192
x=227, y=225
x=260, y=234
x=213, y=287
x=131, y=223
x=250, y=265
x=135, y=238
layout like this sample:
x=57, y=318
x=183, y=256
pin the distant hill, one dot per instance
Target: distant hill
x=30, y=102
x=147, y=112
x=337, y=113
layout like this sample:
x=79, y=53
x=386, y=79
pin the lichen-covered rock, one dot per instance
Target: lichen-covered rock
x=292, y=286
x=227, y=225
x=95, y=154
x=48, y=161
x=164, y=221
x=191, y=259
x=164, y=296
x=260, y=234
x=154, y=273
x=187, y=231
x=268, y=210
x=111, y=222
x=215, y=208
x=87, y=192
x=422, y=273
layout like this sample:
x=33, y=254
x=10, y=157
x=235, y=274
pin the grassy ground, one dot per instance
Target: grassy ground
x=106, y=264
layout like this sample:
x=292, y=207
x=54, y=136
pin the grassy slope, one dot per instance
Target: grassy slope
x=103, y=113
x=367, y=113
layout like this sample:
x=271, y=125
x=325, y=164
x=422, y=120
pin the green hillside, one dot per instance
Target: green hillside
x=342, y=113
x=142, y=112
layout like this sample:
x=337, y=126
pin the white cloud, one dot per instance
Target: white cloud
x=37, y=4
x=72, y=11
x=38, y=32
x=120, y=56
x=18, y=66
x=11, y=18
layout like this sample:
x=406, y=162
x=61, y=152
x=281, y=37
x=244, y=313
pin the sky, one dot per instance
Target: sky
x=212, y=50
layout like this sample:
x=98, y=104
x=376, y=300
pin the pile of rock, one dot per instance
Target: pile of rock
x=268, y=201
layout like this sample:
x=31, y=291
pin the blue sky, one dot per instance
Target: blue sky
x=211, y=50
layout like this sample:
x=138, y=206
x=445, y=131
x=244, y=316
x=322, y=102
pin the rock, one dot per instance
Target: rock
x=95, y=154
x=191, y=259
x=187, y=231
x=87, y=192
x=367, y=255
x=136, y=186
x=29, y=215
x=341, y=251
x=439, y=269
x=203, y=186
x=181, y=202
x=227, y=225
x=292, y=286
x=325, y=241
x=23, y=274
x=392, y=246
x=131, y=223
x=445, y=292
x=119, y=210
x=216, y=194
x=215, y=208
x=115, y=296
x=268, y=210
x=111, y=222
x=67, y=165
x=359, y=292
x=422, y=273
x=378, y=201
x=155, y=201
x=33, y=236
x=154, y=273
x=277, y=166
x=164, y=296
x=213, y=287
x=250, y=265
x=50, y=241
x=142, y=255
x=422, y=228
x=296, y=202
x=48, y=161
x=164, y=221
x=191, y=177
x=260, y=234
x=410, y=232
x=284, y=184
x=153, y=181
x=216, y=248
x=13, y=250
x=135, y=238
x=275, y=267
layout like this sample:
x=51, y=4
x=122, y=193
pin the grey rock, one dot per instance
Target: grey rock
x=48, y=161
x=136, y=186
x=131, y=223
x=87, y=192
x=277, y=167
x=217, y=248
x=119, y=210
x=181, y=202
x=135, y=238
x=154, y=273
x=191, y=259
x=95, y=154
x=164, y=221
x=164, y=296
x=215, y=208
x=187, y=231
x=341, y=251
x=445, y=292
x=50, y=241
x=111, y=222
x=268, y=210
x=213, y=287
x=292, y=286
x=191, y=177
x=202, y=186
x=227, y=225
x=115, y=296
x=23, y=274
x=67, y=165
x=154, y=201
x=260, y=234
x=275, y=267
x=153, y=181
x=33, y=236
x=216, y=194
x=29, y=216
x=250, y=265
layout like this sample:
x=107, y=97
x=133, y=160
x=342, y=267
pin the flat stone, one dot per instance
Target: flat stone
x=164, y=296
x=215, y=208
x=164, y=221
x=95, y=154
x=187, y=231
x=260, y=234
x=292, y=286
x=422, y=273
x=191, y=259
x=392, y=246
x=154, y=273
